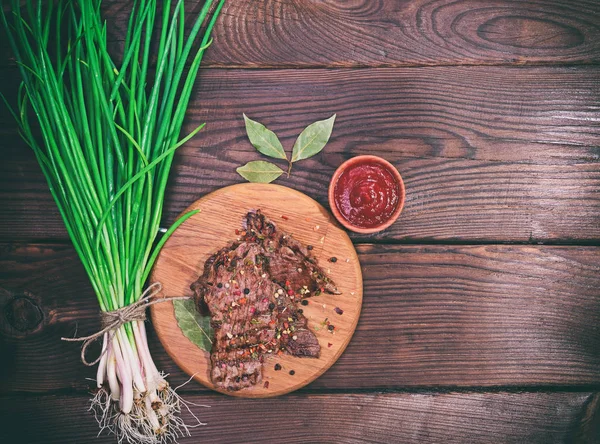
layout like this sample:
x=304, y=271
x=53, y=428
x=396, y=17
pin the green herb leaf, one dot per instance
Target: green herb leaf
x=264, y=140
x=194, y=326
x=313, y=139
x=260, y=171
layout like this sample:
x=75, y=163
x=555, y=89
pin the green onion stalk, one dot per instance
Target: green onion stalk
x=104, y=132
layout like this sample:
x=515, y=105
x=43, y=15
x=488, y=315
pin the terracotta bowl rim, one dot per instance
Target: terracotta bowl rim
x=340, y=218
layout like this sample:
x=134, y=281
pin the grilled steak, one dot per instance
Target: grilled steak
x=289, y=262
x=250, y=290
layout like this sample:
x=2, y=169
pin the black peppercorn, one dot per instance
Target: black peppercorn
x=304, y=302
x=219, y=285
x=309, y=247
x=330, y=327
x=277, y=367
x=271, y=306
x=333, y=259
x=292, y=372
x=246, y=290
x=300, y=311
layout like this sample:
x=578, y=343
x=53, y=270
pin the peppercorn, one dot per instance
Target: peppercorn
x=309, y=247
x=333, y=259
x=300, y=311
x=304, y=302
x=277, y=367
x=271, y=306
x=292, y=372
x=330, y=327
x=219, y=285
x=246, y=290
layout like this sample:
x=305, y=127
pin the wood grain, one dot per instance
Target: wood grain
x=391, y=33
x=298, y=33
x=433, y=316
x=497, y=418
x=488, y=154
x=221, y=214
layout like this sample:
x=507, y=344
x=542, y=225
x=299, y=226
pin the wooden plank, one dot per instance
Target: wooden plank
x=543, y=418
x=487, y=153
x=274, y=33
x=433, y=316
x=393, y=33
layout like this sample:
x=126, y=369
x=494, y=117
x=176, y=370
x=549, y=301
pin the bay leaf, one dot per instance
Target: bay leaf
x=194, y=326
x=263, y=139
x=260, y=171
x=313, y=139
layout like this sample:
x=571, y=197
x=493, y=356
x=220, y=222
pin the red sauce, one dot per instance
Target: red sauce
x=367, y=194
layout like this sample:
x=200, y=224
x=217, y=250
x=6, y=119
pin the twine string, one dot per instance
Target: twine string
x=111, y=321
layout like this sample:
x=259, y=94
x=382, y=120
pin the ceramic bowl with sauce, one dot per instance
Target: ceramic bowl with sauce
x=366, y=194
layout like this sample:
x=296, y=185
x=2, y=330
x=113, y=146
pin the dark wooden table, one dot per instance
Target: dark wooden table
x=481, y=317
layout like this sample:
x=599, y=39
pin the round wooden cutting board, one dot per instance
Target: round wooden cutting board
x=182, y=259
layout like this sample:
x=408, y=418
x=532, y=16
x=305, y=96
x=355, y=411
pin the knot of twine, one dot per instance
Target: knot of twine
x=111, y=321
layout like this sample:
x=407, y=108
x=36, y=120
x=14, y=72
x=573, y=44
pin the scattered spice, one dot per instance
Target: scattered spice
x=284, y=217
x=331, y=327
x=333, y=259
x=246, y=290
x=277, y=367
x=338, y=310
x=219, y=285
x=348, y=260
x=329, y=344
x=304, y=302
x=266, y=384
x=317, y=227
x=292, y=372
x=309, y=247
x=271, y=306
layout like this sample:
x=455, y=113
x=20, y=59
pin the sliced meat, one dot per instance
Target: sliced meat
x=289, y=262
x=252, y=303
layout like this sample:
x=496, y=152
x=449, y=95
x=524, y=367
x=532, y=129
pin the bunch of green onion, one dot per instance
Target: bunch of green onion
x=104, y=133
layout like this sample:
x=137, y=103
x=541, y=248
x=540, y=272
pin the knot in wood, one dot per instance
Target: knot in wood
x=23, y=314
